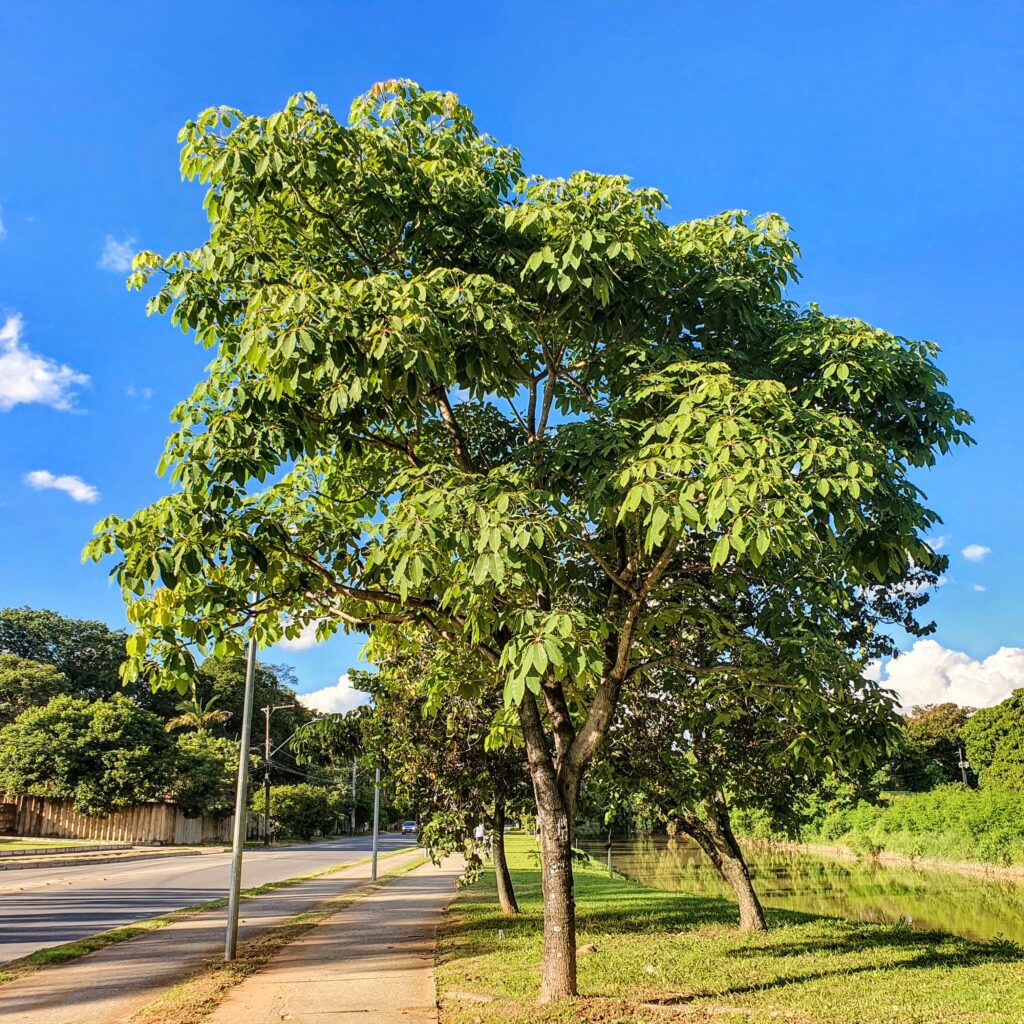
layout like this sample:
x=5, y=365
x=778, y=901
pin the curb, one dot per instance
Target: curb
x=58, y=851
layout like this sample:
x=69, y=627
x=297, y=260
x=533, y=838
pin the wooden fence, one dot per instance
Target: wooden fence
x=153, y=822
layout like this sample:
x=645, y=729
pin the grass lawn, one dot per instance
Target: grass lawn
x=43, y=844
x=663, y=956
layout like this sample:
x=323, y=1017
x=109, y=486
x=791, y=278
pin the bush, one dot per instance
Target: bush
x=103, y=755
x=301, y=811
x=948, y=823
x=205, y=770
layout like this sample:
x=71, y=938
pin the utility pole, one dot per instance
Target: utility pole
x=963, y=765
x=267, y=712
x=241, y=809
x=354, y=763
x=376, y=822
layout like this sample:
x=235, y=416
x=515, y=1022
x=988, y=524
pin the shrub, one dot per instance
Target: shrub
x=205, y=769
x=948, y=823
x=103, y=755
x=301, y=811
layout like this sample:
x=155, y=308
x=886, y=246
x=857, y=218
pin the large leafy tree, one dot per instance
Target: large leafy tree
x=219, y=684
x=524, y=414
x=87, y=653
x=25, y=684
x=690, y=753
x=936, y=731
x=104, y=755
x=994, y=741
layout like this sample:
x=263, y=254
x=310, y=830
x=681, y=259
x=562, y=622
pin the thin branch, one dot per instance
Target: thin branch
x=451, y=425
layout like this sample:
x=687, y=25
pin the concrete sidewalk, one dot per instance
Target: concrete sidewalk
x=111, y=984
x=372, y=961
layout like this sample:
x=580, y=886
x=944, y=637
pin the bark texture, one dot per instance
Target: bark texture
x=713, y=834
x=506, y=894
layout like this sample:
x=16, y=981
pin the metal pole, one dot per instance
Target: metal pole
x=964, y=765
x=241, y=813
x=353, y=796
x=376, y=822
x=266, y=776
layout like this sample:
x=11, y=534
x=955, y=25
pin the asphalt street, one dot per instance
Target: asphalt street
x=48, y=906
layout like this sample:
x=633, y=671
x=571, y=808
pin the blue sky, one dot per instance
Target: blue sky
x=888, y=134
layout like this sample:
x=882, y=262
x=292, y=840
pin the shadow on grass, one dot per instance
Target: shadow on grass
x=928, y=958
x=622, y=907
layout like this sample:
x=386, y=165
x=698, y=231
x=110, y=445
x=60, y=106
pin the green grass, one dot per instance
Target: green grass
x=670, y=956
x=52, y=955
x=43, y=844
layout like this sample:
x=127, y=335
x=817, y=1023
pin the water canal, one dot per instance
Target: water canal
x=863, y=890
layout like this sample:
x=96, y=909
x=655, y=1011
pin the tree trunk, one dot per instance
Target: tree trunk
x=714, y=836
x=555, y=795
x=506, y=894
x=558, y=971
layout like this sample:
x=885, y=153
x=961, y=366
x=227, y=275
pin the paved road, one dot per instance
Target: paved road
x=48, y=906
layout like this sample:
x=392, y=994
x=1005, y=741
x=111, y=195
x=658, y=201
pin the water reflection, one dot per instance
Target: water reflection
x=973, y=907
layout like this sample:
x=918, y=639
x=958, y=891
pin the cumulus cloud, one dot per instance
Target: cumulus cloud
x=975, y=552
x=144, y=393
x=74, y=486
x=938, y=543
x=336, y=699
x=978, y=588
x=26, y=377
x=117, y=256
x=305, y=639
x=932, y=674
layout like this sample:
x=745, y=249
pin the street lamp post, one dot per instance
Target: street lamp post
x=376, y=822
x=267, y=712
x=241, y=815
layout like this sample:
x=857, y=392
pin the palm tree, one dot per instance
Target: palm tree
x=194, y=715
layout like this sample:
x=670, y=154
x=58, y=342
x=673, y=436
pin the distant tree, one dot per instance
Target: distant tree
x=101, y=754
x=196, y=716
x=302, y=811
x=25, y=684
x=89, y=654
x=994, y=743
x=204, y=774
x=220, y=682
x=454, y=759
x=693, y=751
x=937, y=731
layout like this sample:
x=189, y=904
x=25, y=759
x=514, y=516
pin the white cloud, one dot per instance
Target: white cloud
x=978, y=588
x=975, y=552
x=144, y=393
x=305, y=639
x=117, y=256
x=3, y=230
x=937, y=543
x=932, y=674
x=26, y=377
x=335, y=699
x=76, y=487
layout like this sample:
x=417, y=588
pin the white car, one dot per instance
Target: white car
x=410, y=828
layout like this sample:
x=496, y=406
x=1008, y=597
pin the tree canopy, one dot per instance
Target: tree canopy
x=526, y=415
x=25, y=683
x=994, y=742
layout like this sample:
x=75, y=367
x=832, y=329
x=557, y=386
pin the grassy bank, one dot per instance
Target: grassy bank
x=661, y=956
x=951, y=823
